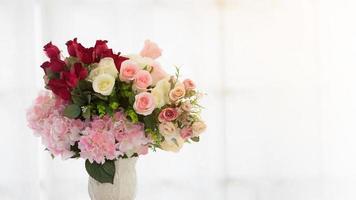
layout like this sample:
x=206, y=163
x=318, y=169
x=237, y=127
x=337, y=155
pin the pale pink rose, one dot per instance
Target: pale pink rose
x=144, y=103
x=168, y=115
x=186, y=132
x=198, y=127
x=157, y=73
x=128, y=70
x=151, y=50
x=167, y=128
x=142, y=80
x=177, y=92
x=186, y=106
x=189, y=84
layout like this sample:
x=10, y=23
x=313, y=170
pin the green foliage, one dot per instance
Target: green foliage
x=72, y=111
x=132, y=115
x=74, y=148
x=195, y=139
x=103, y=173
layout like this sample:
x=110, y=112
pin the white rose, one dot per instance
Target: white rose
x=103, y=84
x=198, y=127
x=141, y=61
x=161, y=91
x=173, y=144
x=167, y=129
x=105, y=66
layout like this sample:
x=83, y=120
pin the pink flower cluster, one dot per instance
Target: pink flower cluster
x=98, y=139
x=110, y=137
x=58, y=133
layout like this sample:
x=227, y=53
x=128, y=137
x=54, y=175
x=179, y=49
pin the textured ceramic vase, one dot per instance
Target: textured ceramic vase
x=124, y=187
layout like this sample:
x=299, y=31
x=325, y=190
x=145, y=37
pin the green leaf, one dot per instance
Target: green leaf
x=86, y=112
x=79, y=100
x=72, y=111
x=85, y=85
x=103, y=173
x=195, y=139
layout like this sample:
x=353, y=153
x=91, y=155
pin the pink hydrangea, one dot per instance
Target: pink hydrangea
x=57, y=132
x=97, y=146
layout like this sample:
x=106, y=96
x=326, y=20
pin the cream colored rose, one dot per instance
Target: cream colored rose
x=160, y=92
x=141, y=61
x=168, y=129
x=105, y=66
x=177, y=92
x=104, y=84
x=173, y=144
x=198, y=127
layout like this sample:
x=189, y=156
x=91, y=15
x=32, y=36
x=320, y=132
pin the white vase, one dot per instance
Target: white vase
x=124, y=187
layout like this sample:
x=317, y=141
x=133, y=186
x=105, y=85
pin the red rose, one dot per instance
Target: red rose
x=70, y=78
x=45, y=65
x=60, y=88
x=51, y=51
x=80, y=71
x=57, y=65
x=72, y=47
x=101, y=49
x=118, y=60
x=85, y=54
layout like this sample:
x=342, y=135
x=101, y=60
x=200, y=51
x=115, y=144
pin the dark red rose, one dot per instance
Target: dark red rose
x=57, y=65
x=100, y=48
x=60, y=88
x=85, y=54
x=45, y=65
x=72, y=47
x=71, y=79
x=118, y=60
x=80, y=71
x=51, y=51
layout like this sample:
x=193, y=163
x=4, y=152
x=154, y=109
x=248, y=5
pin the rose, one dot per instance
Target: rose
x=157, y=73
x=104, y=84
x=168, y=115
x=151, y=50
x=60, y=88
x=84, y=54
x=198, y=127
x=167, y=128
x=142, y=80
x=144, y=103
x=186, y=132
x=105, y=66
x=51, y=50
x=160, y=92
x=72, y=47
x=128, y=70
x=186, y=106
x=177, y=92
x=173, y=144
x=189, y=84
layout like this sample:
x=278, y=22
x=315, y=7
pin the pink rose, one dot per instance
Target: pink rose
x=186, y=106
x=142, y=80
x=157, y=73
x=186, y=132
x=128, y=70
x=151, y=50
x=168, y=115
x=189, y=84
x=177, y=92
x=144, y=103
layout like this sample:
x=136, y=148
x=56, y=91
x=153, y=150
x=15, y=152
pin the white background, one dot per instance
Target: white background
x=281, y=103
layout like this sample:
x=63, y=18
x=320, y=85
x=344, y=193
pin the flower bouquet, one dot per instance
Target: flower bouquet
x=109, y=109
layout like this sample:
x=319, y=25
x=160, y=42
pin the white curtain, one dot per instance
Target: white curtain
x=281, y=103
